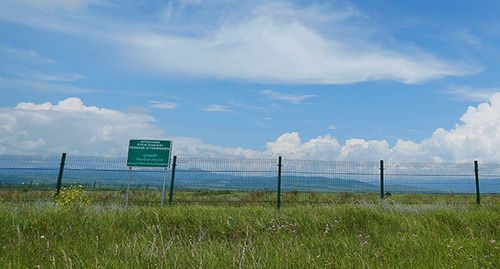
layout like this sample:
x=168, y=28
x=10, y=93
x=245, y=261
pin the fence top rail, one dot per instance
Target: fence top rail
x=311, y=161
x=396, y=163
x=95, y=157
x=32, y=156
x=181, y=158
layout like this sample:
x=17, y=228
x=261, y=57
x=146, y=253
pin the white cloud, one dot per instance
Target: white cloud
x=290, y=98
x=273, y=42
x=71, y=126
x=360, y=149
x=194, y=147
x=275, y=50
x=290, y=145
x=332, y=127
x=475, y=138
x=163, y=105
x=470, y=93
x=216, y=108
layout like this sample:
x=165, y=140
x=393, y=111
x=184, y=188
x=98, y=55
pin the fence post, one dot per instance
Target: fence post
x=279, y=182
x=129, y=178
x=171, y=193
x=382, y=179
x=476, y=172
x=61, y=171
x=164, y=187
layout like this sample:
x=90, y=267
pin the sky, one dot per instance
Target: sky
x=332, y=80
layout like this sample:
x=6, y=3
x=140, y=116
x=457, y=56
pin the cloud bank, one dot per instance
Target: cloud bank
x=71, y=126
x=274, y=44
x=476, y=137
x=263, y=42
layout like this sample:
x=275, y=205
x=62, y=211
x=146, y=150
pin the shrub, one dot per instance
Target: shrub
x=72, y=196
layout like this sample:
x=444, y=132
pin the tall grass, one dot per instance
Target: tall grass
x=212, y=197
x=344, y=236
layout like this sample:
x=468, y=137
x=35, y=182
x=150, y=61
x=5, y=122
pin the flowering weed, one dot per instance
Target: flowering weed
x=73, y=196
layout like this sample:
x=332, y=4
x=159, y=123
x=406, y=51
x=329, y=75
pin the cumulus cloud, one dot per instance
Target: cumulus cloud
x=327, y=148
x=476, y=137
x=71, y=126
x=195, y=147
x=290, y=145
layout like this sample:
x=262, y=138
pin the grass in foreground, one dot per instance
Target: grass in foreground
x=225, y=197
x=344, y=236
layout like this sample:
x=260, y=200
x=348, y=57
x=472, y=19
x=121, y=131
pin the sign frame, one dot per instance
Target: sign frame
x=149, y=150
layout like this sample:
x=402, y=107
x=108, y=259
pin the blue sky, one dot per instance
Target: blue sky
x=232, y=77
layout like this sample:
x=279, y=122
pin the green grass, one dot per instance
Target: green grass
x=339, y=236
x=153, y=197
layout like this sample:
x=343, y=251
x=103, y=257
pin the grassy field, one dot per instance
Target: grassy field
x=235, y=198
x=43, y=235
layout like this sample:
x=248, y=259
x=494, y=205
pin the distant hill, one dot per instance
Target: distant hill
x=200, y=179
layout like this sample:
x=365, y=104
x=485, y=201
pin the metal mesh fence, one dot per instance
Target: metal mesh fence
x=226, y=174
x=109, y=173
x=29, y=171
x=225, y=178
x=330, y=176
x=249, y=180
x=429, y=177
x=489, y=174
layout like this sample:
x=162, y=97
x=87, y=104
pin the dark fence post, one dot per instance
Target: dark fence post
x=382, y=179
x=61, y=171
x=129, y=178
x=163, y=189
x=171, y=193
x=279, y=182
x=478, y=194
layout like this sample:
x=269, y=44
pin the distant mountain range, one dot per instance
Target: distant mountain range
x=196, y=179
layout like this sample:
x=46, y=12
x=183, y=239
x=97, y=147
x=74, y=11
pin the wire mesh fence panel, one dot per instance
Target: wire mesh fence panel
x=251, y=180
x=438, y=178
x=489, y=178
x=29, y=171
x=108, y=173
x=107, y=179
x=328, y=181
x=225, y=180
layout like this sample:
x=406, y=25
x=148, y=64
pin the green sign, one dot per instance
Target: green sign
x=149, y=153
